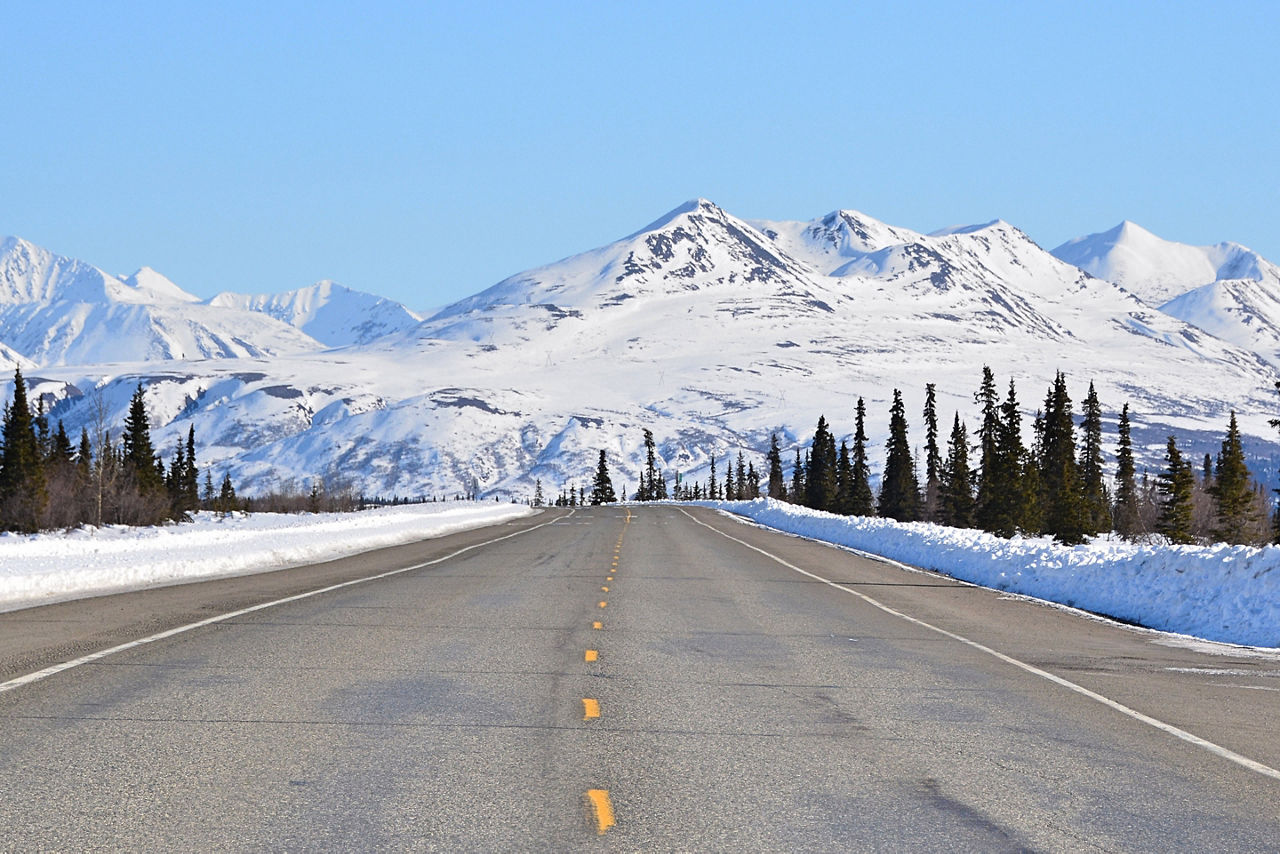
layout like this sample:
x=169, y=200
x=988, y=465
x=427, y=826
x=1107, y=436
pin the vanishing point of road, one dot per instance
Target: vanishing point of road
x=623, y=679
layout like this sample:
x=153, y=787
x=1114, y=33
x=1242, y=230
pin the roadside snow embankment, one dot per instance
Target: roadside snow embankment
x=1220, y=593
x=50, y=567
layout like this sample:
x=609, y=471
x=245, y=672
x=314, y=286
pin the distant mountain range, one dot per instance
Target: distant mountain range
x=713, y=331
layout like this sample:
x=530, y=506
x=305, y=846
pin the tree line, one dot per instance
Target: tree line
x=46, y=482
x=1053, y=483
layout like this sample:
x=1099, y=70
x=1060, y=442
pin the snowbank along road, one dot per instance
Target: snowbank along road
x=617, y=678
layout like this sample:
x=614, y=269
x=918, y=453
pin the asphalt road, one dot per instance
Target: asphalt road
x=749, y=692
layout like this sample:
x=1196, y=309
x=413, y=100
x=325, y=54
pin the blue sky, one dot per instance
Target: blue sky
x=425, y=151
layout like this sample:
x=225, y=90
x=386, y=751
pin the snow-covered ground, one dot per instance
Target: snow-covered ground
x=1221, y=593
x=50, y=567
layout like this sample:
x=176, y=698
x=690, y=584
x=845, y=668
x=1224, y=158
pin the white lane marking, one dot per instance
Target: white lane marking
x=53, y=669
x=1170, y=729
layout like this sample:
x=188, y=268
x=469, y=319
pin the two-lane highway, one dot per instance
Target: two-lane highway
x=629, y=679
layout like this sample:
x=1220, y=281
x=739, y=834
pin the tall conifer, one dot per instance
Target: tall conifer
x=1061, y=497
x=1127, y=520
x=1175, y=485
x=777, y=486
x=956, y=488
x=932, y=454
x=899, y=489
x=1092, y=485
x=23, y=494
x=861, y=500
x=1232, y=491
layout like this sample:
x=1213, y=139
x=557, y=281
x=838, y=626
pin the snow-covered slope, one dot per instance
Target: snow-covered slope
x=60, y=311
x=330, y=313
x=711, y=331
x=1154, y=269
x=1227, y=290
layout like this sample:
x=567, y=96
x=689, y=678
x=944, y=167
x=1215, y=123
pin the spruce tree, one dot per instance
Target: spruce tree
x=191, y=475
x=23, y=494
x=1127, y=519
x=649, y=478
x=820, y=474
x=899, y=490
x=713, y=488
x=1232, y=491
x=861, y=501
x=602, y=489
x=84, y=456
x=1092, y=484
x=798, y=495
x=1174, y=486
x=139, y=454
x=777, y=486
x=932, y=454
x=741, y=480
x=1061, y=495
x=844, y=481
x=956, y=488
x=227, y=495
x=61, y=453
x=987, y=509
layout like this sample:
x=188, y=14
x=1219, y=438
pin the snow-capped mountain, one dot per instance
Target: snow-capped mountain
x=60, y=311
x=328, y=312
x=1154, y=269
x=709, y=330
x=1227, y=289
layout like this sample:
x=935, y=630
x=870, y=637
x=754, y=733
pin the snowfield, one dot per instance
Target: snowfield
x=51, y=567
x=1229, y=594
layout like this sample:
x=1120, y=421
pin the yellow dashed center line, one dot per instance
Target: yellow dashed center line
x=610, y=578
x=590, y=708
x=605, y=589
x=604, y=604
x=597, y=625
x=591, y=655
x=602, y=808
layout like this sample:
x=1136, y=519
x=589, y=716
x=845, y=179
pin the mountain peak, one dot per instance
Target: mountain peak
x=1155, y=269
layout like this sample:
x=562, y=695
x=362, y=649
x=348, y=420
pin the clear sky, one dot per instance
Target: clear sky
x=425, y=151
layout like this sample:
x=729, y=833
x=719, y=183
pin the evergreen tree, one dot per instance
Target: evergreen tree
x=191, y=475
x=649, y=478
x=1175, y=485
x=730, y=488
x=1232, y=491
x=777, y=486
x=844, y=481
x=538, y=500
x=741, y=480
x=797, y=480
x=899, y=489
x=820, y=474
x=987, y=509
x=932, y=454
x=861, y=501
x=956, y=487
x=602, y=489
x=23, y=493
x=713, y=488
x=1127, y=519
x=139, y=454
x=1092, y=484
x=84, y=456
x=1061, y=495
x=60, y=451
x=753, y=481
x=227, y=495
